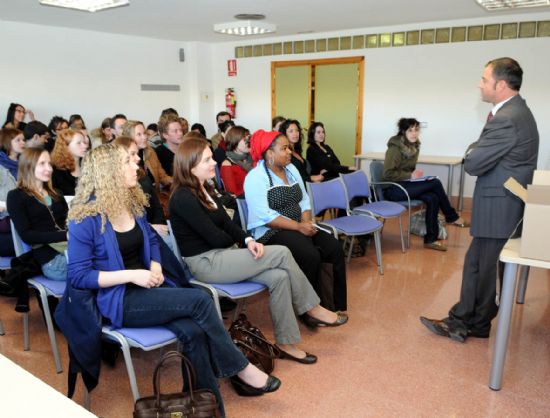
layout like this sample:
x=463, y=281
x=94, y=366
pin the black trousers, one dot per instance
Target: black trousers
x=431, y=192
x=477, y=307
x=310, y=252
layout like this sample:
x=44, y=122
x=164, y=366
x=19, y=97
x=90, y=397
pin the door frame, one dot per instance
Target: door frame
x=360, y=60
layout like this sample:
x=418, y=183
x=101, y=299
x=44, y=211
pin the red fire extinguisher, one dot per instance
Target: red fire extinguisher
x=231, y=102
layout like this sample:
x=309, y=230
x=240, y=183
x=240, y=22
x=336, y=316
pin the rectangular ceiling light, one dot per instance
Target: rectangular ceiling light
x=86, y=5
x=244, y=28
x=496, y=5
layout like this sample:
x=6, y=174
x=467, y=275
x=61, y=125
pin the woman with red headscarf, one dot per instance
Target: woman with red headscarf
x=279, y=213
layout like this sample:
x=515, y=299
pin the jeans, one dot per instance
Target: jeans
x=56, y=268
x=430, y=192
x=191, y=315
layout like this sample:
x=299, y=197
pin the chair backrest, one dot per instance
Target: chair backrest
x=327, y=195
x=18, y=244
x=174, y=243
x=243, y=213
x=219, y=178
x=357, y=184
x=376, y=169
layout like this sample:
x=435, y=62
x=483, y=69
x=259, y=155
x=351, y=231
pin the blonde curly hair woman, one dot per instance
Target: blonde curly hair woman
x=112, y=248
x=69, y=149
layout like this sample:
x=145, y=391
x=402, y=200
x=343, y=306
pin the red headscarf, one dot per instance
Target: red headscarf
x=259, y=142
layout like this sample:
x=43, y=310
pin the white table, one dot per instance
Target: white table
x=509, y=256
x=448, y=161
x=24, y=395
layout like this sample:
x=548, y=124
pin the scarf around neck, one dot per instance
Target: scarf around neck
x=11, y=165
x=242, y=160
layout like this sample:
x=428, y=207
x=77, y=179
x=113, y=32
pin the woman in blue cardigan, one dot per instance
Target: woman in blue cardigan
x=113, y=249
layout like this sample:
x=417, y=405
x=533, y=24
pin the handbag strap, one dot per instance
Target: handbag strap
x=189, y=374
x=275, y=349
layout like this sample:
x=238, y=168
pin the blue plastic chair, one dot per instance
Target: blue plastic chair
x=357, y=185
x=332, y=195
x=235, y=291
x=45, y=288
x=376, y=170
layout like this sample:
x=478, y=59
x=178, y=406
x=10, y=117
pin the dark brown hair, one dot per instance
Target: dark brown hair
x=234, y=136
x=187, y=157
x=6, y=136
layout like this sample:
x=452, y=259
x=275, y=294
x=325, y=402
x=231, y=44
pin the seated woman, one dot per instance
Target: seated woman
x=39, y=214
x=400, y=167
x=320, y=156
x=16, y=116
x=103, y=134
x=68, y=151
x=238, y=161
x=154, y=211
x=293, y=131
x=12, y=145
x=151, y=164
x=113, y=250
x=279, y=213
x=221, y=149
x=205, y=236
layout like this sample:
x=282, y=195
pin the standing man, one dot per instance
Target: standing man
x=508, y=147
x=221, y=117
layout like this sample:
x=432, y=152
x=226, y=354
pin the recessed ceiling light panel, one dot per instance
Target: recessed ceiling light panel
x=86, y=5
x=496, y=5
x=244, y=28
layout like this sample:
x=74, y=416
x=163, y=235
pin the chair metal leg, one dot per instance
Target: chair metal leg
x=409, y=230
x=26, y=343
x=378, y=247
x=350, y=249
x=240, y=308
x=402, y=239
x=522, y=286
x=51, y=330
x=87, y=399
x=1, y=328
x=128, y=361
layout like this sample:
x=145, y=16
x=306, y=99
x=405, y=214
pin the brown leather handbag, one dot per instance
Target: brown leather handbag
x=253, y=344
x=201, y=403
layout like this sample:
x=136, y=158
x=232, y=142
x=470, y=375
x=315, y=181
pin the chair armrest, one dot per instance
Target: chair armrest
x=392, y=184
x=333, y=229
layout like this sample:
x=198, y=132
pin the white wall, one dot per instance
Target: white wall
x=63, y=71
x=436, y=84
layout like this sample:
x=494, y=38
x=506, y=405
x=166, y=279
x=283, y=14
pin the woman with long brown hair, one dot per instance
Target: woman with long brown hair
x=207, y=238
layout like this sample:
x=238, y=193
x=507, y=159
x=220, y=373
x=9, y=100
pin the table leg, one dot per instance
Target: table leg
x=357, y=163
x=450, y=181
x=522, y=285
x=461, y=188
x=503, y=325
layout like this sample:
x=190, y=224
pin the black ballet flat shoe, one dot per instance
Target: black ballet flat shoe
x=244, y=389
x=308, y=359
x=311, y=322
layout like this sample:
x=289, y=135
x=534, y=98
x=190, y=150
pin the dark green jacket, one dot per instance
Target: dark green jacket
x=400, y=160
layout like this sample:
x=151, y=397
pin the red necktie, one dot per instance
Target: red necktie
x=490, y=116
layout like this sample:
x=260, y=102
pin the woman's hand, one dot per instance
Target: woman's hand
x=256, y=249
x=317, y=178
x=145, y=278
x=156, y=272
x=352, y=168
x=161, y=229
x=307, y=228
x=30, y=114
x=417, y=173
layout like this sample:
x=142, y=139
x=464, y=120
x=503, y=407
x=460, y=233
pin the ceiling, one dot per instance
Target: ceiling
x=192, y=20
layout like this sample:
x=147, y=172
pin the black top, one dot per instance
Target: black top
x=64, y=181
x=220, y=155
x=301, y=166
x=155, y=211
x=320, y=160
x=198, y=229
x=166, y=158
x=35, y=223
x=130, y=244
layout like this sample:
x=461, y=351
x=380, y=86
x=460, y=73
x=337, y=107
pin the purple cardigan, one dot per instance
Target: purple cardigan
x=91, y=251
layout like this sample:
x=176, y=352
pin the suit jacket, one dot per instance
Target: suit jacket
x=508, y=147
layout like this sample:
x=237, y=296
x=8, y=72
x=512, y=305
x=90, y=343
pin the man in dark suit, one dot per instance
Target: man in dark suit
x=508, y=147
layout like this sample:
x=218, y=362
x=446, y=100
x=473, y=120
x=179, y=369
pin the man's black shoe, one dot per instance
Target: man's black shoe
x=439, y=327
